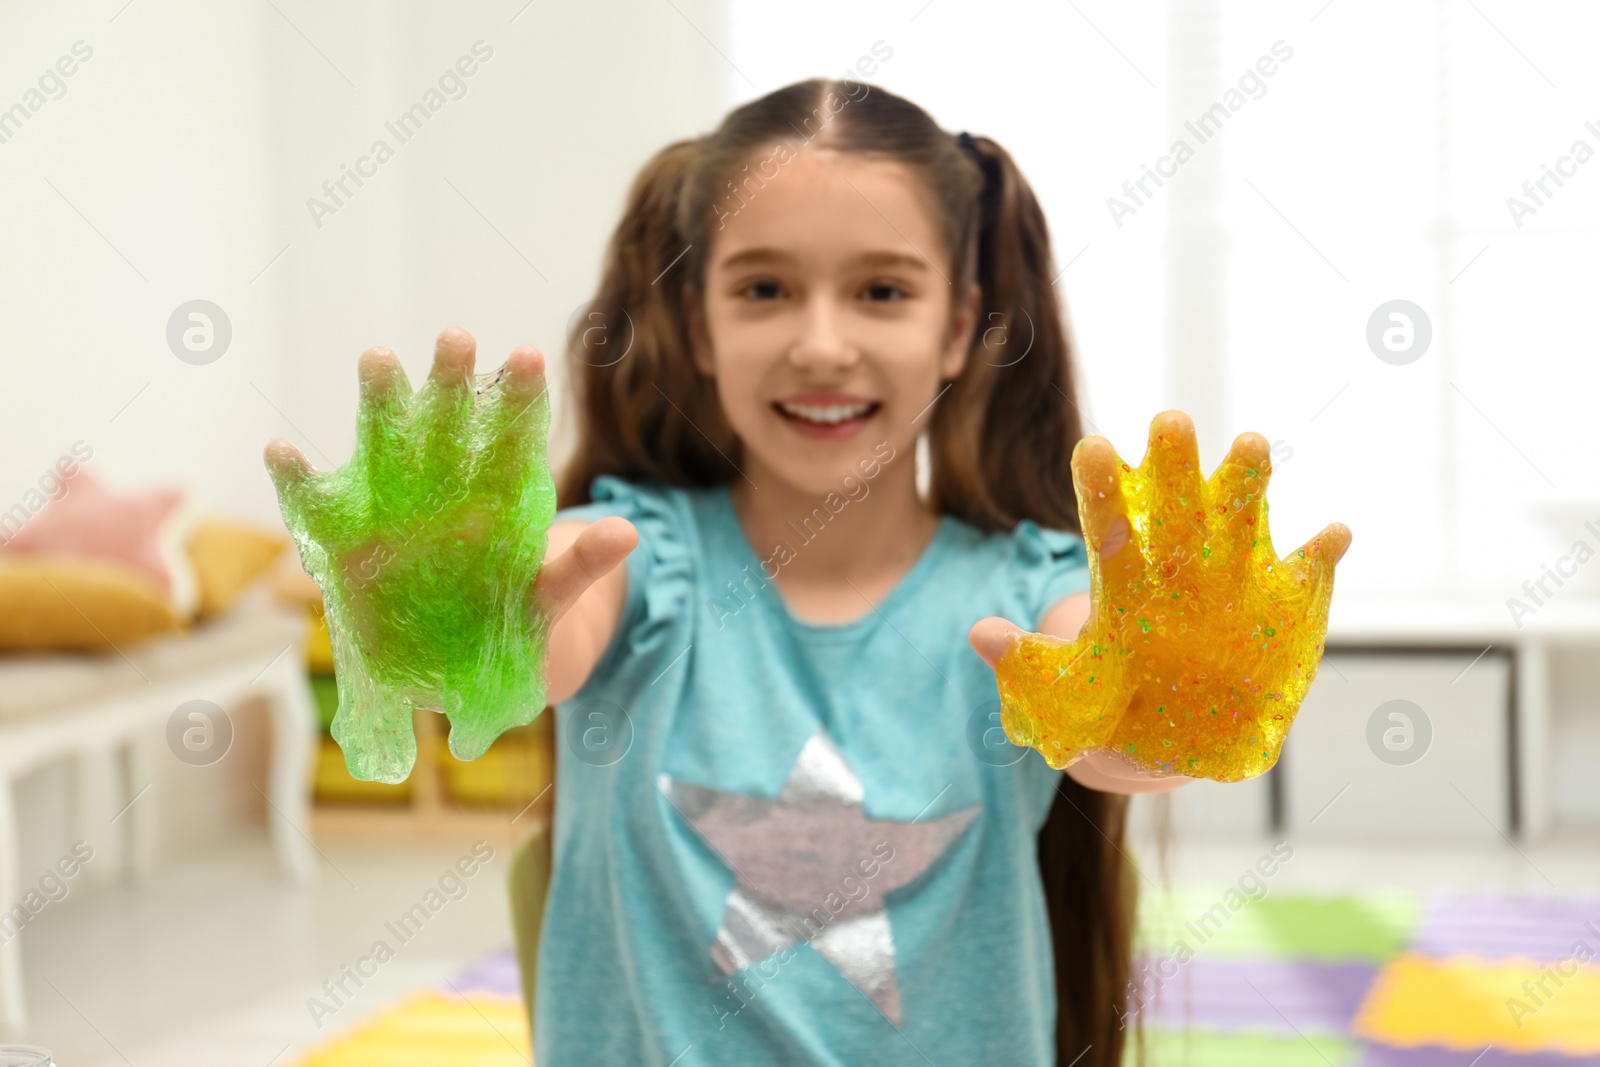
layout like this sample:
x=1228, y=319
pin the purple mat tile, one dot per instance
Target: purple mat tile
x=1500, y=927
x=1281, y=996
x=1433, y=1056
x=495, y=974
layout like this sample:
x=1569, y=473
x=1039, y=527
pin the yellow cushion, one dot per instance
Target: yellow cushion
x=227, y=557
x=51, y=603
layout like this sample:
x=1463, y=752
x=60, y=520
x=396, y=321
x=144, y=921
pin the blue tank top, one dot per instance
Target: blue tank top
x=778, y=841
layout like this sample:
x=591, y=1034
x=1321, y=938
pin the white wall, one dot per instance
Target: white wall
x=190, y=141
x=178, y=162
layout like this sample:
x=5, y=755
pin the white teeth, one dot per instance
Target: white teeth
x=831, y=415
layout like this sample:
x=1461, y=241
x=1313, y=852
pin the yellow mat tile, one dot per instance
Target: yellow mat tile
x=1466, y=1003
x=428, y=1029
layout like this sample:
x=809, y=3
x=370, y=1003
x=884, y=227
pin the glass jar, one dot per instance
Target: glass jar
x=25, y=1056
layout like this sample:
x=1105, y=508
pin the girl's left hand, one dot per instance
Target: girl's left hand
x=1200, y=642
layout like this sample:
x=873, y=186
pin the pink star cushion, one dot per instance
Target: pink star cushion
x=143, y=531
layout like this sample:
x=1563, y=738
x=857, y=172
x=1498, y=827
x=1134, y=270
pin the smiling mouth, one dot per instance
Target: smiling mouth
x=826, y=414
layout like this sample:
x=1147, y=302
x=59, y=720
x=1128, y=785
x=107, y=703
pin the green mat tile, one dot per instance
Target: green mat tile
x=1199, y=1048
x=1370, y=927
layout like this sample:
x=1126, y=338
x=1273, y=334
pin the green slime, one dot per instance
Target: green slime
x=426, y=544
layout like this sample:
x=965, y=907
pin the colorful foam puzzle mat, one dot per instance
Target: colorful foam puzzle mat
x=1286, y=980
x=1384, y=980
x=475, y=1019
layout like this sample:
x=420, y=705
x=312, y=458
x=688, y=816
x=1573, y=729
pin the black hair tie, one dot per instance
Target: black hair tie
x=965, y=142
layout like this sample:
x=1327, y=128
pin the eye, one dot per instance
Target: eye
x=884, y=292
x=762, y=289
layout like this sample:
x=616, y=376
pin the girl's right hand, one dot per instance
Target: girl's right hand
x=452, y=526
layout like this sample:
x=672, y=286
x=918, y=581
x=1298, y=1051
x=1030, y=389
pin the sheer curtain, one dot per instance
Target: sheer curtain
x=1341, y=156
x=1383, y=173
x=1076, y=113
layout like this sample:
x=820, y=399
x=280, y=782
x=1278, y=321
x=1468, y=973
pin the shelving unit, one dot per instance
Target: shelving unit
x=1486, y=683
x=501, y=797
x=444, y=799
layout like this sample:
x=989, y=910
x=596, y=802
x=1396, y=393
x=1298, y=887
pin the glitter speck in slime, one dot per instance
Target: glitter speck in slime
x=425, y=545
x=1201, y=643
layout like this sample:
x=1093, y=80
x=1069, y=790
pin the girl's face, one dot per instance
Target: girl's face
x=827, y=316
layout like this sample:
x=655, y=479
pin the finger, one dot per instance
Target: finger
x=445, y=404
x=296, y=482
x=385, y=403
x=1172, y=487
x=993, y=637
x=1102, y=510
x=1327, y=548
x=453, y=356
x=287, y=464
x=598, y=550
x=524, y=374
x=1097, y=475
x=450, y=378
x=382, y=377
x=515, y=419
x=515, y=410
x=1237, y=491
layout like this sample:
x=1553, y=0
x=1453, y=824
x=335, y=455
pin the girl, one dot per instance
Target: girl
x=787, y=827
x=784, y=833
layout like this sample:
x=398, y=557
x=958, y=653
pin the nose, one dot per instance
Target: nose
x=823, y=344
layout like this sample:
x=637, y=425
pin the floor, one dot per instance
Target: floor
x=1400, y=955
x=217, y=960
x=1565, y=863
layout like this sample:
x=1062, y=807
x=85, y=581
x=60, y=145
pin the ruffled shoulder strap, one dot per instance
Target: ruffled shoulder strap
x=1046, y=566
x=661, y=566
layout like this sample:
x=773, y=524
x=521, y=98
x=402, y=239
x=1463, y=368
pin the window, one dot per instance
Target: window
x=1372, y=164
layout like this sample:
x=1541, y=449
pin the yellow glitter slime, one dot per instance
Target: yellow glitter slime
x=1201, y=643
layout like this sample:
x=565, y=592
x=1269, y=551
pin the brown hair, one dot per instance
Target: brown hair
x=1000, y=441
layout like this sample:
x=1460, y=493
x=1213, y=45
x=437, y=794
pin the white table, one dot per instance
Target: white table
x=1479, y=622
x=90, y=707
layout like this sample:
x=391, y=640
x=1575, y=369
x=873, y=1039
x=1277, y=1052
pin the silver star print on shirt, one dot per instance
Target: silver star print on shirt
x=797, y=857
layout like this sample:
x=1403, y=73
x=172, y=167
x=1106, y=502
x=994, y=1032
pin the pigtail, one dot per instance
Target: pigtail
x=1002, y=440
x=1091, y=896
x=1002, y=450
x=646, y=412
